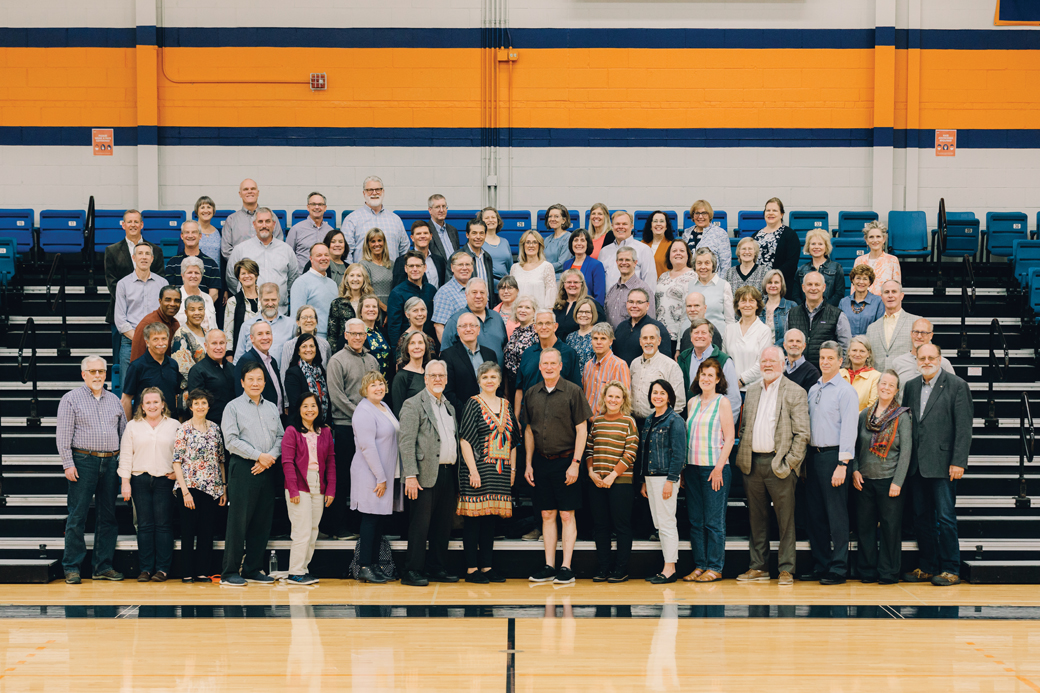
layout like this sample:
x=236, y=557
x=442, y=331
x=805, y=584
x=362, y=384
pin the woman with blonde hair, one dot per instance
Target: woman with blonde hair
x=818, y=247
x=707, y=233
x=599, y=229
x=146, y=468
x=749, y=271
x=534, y=275
x=375, y=343
x=496, y=246
x=523, y=335
x=376, y=259
x=572, y=290
x=774, y=314
x=585, y=316
x=860, y=373
x=356, y=283
x=610, y=455
x=885, y=266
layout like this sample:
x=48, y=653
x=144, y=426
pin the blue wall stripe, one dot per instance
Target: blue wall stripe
x=521, y=137
x=929, y=39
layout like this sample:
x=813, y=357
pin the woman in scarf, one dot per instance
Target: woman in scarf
x=878, y=473
x=306, y=374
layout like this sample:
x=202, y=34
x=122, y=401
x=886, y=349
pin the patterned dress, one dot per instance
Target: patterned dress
x=582, y=344
x=491, y=435
x=200, y=455
x=376, y=344
x=520, y=341
x=670, y=301
x=188, y=350
x=340, y=311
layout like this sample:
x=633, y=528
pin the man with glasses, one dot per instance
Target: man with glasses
x=621, y=223
x=451, y=297
x=373, y=215
x=211, y=281
x=890, y=336
x=834, y=424
x=626, y=334
x=463, y=359
x=528, y=373
x=416, y=285
x=905, y=365
x=445, y=239
x=90, y=424
x=304, y=234
x=238, y=227
x=345, y=370
x=492, y=326
x=626, y=280
x=422, y=237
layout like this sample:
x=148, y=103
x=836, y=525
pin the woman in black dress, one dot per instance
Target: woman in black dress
x=414, y=351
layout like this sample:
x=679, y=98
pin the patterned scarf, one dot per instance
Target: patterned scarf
x=500, y=433
x=316, y=383
x=883, y=430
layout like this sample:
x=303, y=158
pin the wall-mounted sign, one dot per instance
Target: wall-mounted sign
x=103, y=141
x=946, y=143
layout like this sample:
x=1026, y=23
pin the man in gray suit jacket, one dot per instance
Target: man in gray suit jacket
x=942, y=409
x=890, y=336
x=774, y=432
x=429, y=457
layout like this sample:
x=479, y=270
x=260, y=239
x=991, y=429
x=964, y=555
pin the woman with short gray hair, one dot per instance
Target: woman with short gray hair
x=191, y=275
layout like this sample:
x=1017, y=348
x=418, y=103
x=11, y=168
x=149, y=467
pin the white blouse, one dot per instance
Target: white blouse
x=539, y=283
x=147, y=450
x=746, y=348
x=209, y=322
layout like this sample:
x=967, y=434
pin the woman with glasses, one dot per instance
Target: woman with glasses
x=706, y=233
x=306, y=323
x=534, y=275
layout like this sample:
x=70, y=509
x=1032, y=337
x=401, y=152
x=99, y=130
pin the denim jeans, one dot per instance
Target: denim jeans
x=935, y=520
x=153, y=501
x=125, y=348
x=707, y=513
x=98, y=481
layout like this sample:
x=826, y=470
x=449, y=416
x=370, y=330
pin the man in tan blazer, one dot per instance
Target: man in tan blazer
x=890, y=336
x=774, y=432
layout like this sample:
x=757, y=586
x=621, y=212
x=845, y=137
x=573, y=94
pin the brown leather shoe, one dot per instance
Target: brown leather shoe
x=708, y=576
x=145, y=576
x=692, y=577
x=754, y=576
x=946, y=579
x=918, y=576
x=786, y=578
x=159, y=576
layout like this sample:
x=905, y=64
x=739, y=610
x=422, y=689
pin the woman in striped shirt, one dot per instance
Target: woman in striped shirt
x=610, y=454
x=709, y=432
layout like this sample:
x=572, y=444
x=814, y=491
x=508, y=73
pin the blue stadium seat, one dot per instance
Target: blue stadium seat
x=456, y=217
x=299, y=215
x=718, y=216
x=283, y=219
x=1034, y=292
x=845, y=251
x=853, y=222
x=733, y=251
x=1025, y=256
x=749, y=222
x=907, y=235
x=643, y=214
x=343, y=215
x=61, y=230
x=8, y=257
x=514, y=223
x=18, y=224
x=573, y=211
x=108, y=228
x=805, y=221
x=162, y=223
x=170, y=248
x=962, y=237
x=218, y=217
x=1002, y=230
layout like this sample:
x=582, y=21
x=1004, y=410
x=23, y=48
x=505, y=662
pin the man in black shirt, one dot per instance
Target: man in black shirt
x=214, y=375
x=626, y=335
x=152, y=369
x=798, y=369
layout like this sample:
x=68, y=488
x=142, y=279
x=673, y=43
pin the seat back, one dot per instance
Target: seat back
x=283, y=219
x=642, y=215
x=853, y=222
x=219, y=217
x=18, y=224
x=719, y=216
x=1003, y=229
x=962, y=237
x=514, y=223
x=1034, y=290
x=804, y=221
x=749, y=222
x=845, y=251
x=1025, y=255
x=108, y=228
x=61, y=230
x=162, y=223
x=907, y=234
x=733, y=251
x=8, y=257
x=299, y=215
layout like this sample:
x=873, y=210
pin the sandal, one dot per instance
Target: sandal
x=708, y=576
x=692, y=577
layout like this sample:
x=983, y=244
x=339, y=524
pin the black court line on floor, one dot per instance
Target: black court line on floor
x=512, y=611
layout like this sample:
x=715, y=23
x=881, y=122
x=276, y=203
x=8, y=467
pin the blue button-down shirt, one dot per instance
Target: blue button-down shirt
x=88, y=423
x=252, y=429
x=445, y=236
x=136, y=298
x=791, y=367
x=834, y=416
x=361, y=221
x=449, y=298
x=492, y=332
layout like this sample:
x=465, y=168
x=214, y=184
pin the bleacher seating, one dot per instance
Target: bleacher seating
x=1002, y=230
x=514, y=223
x=1025, y=256
x=170, y=248
x=218, y=217
x=845, y=251
x=162, y=223
x=962, y=238
x=8, y=260
x=907, y=235
x=1034, y=292
x=802, y=222
x=575, y=215
x=283, y=219
x=642, y=215
x=108, y=228
x=456, y=217
x=18, y=224
x=61, y=230
x=299, y=215
x=853, y=222
x=749, y=222
x=719, y=216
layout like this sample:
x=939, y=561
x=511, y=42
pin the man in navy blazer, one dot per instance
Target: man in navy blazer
x=262, y=338
x=463, y=358
x=942, y=411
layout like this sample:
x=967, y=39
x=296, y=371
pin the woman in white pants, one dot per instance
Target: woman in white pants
x=309, y=462
x=662, y=455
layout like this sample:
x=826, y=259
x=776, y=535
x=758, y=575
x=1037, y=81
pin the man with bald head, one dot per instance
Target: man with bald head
x=214, y=374
x=774, y=434
x=797, y=369
x=239, y=226
x=905, y=365
x=818, y=320
x=696, y=308
x=463, y=359
x=890, y=336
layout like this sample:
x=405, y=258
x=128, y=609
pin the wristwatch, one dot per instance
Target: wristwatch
x=843, y=463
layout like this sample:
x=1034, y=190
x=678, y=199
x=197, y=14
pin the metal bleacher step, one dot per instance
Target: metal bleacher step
x=981, y=572
x=29, y=570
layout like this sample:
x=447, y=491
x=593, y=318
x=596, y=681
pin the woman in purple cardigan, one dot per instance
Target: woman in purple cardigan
x=309, y=463
x=375, y=472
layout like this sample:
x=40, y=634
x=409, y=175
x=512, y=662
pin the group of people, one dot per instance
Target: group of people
x=644, y=365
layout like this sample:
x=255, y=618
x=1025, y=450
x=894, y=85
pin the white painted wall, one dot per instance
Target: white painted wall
x=66, y=177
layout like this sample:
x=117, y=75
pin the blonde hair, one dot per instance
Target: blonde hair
x=769, y=277
x=139, y=412
x=531, y=233
x=706, y=205
x=748, y=240
x=368, y=380
x=366, y=252
x=862, y=339
x=879, y=225
x=366, y=285
x=626, y=401
x=561, y=293
x=606, y=221
x=824, y=236
x=586, y=301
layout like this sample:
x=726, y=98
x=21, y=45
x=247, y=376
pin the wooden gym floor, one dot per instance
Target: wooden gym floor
x=340, y=635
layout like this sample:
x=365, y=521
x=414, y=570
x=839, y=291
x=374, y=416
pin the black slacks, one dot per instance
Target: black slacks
x=612, y=507
x=876, y=508
x=250, y=506
x=432, y=513
x=197, y=534
x=478, y=540
x=828, y=514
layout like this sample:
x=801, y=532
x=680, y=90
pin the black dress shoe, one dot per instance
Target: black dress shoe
x=494, y=576
x=888, y=581
x=442, y=576
x=809, y=577
x=601, y=576
x=661, y=579
x=369, y=574
x=832, y=579
x=477, y=577
x=413, y=578
x=868, y=580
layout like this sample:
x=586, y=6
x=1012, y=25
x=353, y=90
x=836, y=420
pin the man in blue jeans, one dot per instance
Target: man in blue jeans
x=90, y=424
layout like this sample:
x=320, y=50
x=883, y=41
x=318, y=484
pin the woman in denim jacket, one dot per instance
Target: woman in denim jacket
x=662, y=456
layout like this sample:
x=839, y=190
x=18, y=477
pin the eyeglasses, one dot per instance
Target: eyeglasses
x=920, y=333
x=316, y=204
x=373, y=190
x=700, y=214
x=636, y=303
x=96, y=371
x=357, y=334
x=437, y=376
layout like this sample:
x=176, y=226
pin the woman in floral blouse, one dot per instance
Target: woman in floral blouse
x=198, y=462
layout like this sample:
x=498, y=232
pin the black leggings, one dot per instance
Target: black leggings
x=197, y=534
x=371, y=539
x=478, y=540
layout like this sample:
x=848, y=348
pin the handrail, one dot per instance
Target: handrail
x=967, y=306
x=995, y=369
x=34, y=403
x=88, y=248
x=1025, y=454
x=63, y=343
x=940, y=247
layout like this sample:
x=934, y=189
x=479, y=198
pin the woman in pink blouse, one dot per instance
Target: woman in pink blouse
x=885, y=266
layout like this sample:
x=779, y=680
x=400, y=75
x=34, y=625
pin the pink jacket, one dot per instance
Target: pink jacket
x=295, y=459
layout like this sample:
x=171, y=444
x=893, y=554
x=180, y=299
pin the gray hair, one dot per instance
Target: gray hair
x=629, y=251
x=530, y=300
x=773, y=347
x=708, y=252
x=258, y=323
x=475, y=280
x=93, y=358
x=437, y=362
x=892, y=281
x=153, y=327
x=323, y=198
x=192, y=300
x=651, y=326
x=550, y=351
x=646, y=294
x=412, y=303
x=889, y=371
x=794, y=329
x=352, y=322
x=371, y=179
x=264, y=209
x=862, y=339
x=192, y=222
x=488, y=367
x=192, y=262
x=835, y=347
x=431, y=199
x=604, y=329
x=305, y=306
x=269, y=286
x=697, y=322
x=809, y=274
x=871, y=225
